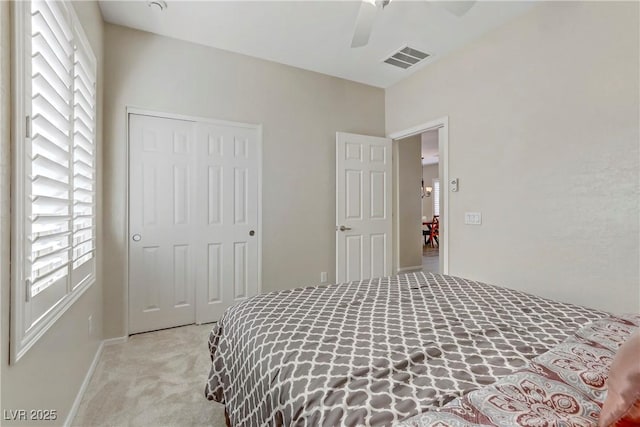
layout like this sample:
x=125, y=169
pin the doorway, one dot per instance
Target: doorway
x=421, y=198
x=194, y=216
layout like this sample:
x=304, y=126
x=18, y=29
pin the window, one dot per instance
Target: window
x=436, y=197
x=55, y=168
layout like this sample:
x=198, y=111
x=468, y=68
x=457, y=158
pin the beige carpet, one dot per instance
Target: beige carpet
x=154, y=379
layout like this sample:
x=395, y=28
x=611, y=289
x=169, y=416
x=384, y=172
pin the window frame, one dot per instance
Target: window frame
x=23, y=337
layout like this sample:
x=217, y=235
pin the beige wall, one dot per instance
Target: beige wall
x=544, y=118
x=49, y=375
x=300, y=112
x=429, y=172
x=409, y=209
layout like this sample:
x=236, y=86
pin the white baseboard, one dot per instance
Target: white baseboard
x=87, y=379
x=405, y=269
x=83, y=387
x=116, y=340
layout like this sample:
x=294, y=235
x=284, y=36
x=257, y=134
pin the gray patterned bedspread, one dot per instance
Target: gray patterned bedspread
x=377, y=351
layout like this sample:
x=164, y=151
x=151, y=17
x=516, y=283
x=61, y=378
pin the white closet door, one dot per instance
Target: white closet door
x=162, y=223
x=193, y=221
x=228, y=167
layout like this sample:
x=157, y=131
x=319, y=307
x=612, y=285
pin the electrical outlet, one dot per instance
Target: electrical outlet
x=90, y=325
x=323, y=277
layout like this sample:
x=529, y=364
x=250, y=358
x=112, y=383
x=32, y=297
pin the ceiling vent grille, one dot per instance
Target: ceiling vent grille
x=406, y=57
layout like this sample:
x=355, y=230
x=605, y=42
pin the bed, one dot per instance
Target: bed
x=376, y=352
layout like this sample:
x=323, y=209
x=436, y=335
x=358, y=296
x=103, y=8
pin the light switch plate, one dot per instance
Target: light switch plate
x=453, y=184
x=473, y=218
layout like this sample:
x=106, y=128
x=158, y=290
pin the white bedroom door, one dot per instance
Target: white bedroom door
x=363, y=207
x=193, y=216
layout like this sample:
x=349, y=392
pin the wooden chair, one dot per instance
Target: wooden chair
x=434, y=232
x=426, y=233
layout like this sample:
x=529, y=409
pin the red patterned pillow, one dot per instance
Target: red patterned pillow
x=622, y=405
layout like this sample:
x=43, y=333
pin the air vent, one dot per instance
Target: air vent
x=407, y=57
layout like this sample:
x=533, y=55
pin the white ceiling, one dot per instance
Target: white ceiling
x=316, y=35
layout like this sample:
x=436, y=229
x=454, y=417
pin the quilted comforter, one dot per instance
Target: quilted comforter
x=378, y=351
x=565, y=386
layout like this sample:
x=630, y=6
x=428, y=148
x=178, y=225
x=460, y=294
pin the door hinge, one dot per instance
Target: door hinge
x=27, y=291
x=27, y=127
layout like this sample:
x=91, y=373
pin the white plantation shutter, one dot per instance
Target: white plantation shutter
x=84, y=108
x=56, y=207
x=436, y=197
x=51, y=128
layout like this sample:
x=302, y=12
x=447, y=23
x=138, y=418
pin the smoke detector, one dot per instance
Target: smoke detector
x=157, y=5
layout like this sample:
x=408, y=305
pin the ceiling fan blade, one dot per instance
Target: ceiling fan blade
x=364, y=23
x=457, y=7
